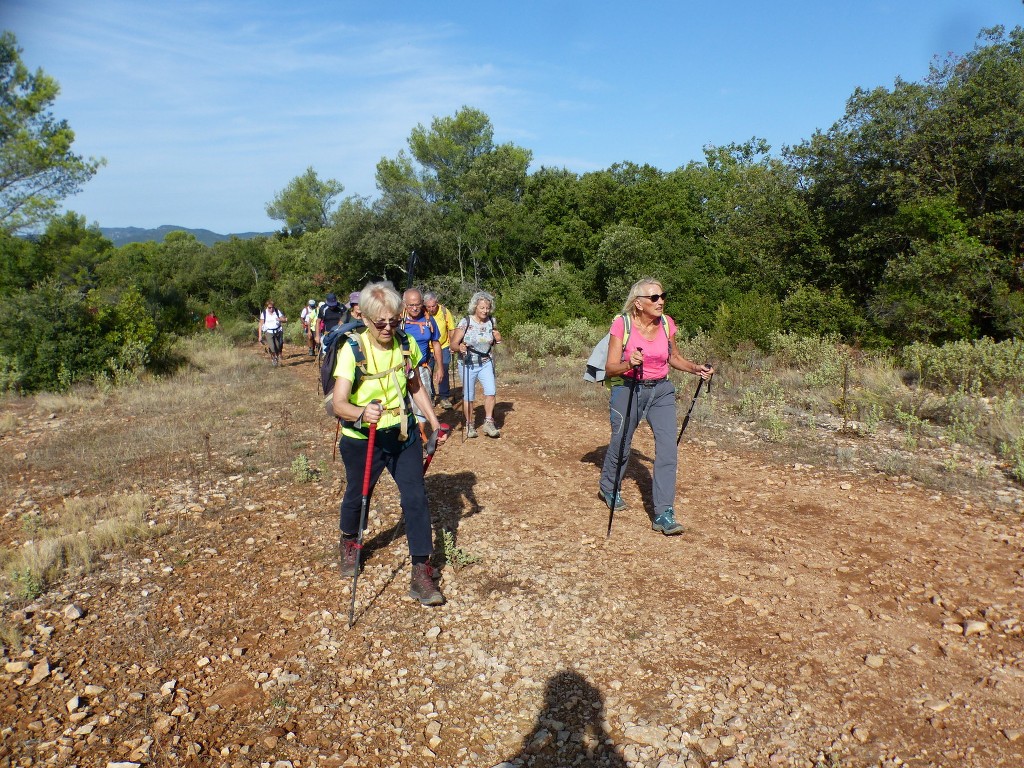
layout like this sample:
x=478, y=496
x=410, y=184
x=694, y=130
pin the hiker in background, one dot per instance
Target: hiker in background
x=308, y=317
x=474, y=339
x=423, y=330
x=352, y=312
x=212, y=323
x=270, y=331
x=641, y=349
x=445, y=325
x=381, y=400
x=329, y=315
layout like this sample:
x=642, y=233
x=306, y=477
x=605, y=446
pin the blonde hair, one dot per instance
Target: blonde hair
x=629, y=308
x=377, y=298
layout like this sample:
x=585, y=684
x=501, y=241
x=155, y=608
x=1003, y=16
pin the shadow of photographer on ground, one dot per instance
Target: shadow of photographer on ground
x=569, y=730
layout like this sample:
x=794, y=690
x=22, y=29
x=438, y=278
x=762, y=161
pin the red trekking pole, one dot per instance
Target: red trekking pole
x=362, y=516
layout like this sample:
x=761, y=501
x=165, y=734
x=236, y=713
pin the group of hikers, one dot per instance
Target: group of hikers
x=385, y=390
x=377, y=377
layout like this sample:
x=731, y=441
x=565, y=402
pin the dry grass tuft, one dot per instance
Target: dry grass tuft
x=11, y=638
x=74, y=536
x=8, y=423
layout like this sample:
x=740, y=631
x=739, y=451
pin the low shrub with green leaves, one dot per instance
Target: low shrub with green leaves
x=576, y=339
x=455, y=555
x=986, y=363
x=54, y=336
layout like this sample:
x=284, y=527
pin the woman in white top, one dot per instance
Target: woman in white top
x=474, y=338
x=270, y=331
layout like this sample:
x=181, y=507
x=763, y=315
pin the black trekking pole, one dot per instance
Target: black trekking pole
x=686, y=419
x=362, y=516
x=637, y=375
x=410, y=269
x=442, y=431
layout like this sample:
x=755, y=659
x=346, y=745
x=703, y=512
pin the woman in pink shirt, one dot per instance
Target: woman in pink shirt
x=641, y=366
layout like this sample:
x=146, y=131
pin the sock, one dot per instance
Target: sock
x=420, y=559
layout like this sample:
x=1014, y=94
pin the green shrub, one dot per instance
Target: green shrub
x=753, y=318
x=1013, y=452
x=576, y=339
x=983, y=363
x=553, y=297
x=455, y=555
x=809, y=311
x=303, y=471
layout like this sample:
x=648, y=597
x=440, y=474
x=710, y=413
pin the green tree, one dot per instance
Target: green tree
x=455, y=167
x=305, y=204
x=37, y=166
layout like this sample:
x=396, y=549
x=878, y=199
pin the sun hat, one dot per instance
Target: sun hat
x=353, y=298
x=332, y=300
x=312, y=302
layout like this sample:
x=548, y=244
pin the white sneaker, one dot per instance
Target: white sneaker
x=489, y=429
x=470, y=431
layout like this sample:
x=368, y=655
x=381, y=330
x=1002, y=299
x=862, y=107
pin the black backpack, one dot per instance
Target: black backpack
x=350, y=333
x=332, y=317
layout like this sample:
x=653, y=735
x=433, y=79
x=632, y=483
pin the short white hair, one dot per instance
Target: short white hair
x=477, y=298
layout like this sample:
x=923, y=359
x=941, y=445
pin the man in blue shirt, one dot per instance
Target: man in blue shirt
x=423, y=329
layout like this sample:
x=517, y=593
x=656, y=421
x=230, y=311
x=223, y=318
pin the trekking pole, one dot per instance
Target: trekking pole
x=362, y=516
x=637, y=375
x=442, y=431
x=686, y=419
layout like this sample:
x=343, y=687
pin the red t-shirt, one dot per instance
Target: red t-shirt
x=211, y=321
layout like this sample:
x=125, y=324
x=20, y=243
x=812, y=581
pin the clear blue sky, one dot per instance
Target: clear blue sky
x=205, y=109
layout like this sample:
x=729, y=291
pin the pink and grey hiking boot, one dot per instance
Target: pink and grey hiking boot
x=349, y=556
x=422, y=586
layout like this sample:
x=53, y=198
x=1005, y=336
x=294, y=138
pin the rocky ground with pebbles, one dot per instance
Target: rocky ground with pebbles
x=808, y=617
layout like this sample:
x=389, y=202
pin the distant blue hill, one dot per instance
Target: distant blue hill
x=123, y=235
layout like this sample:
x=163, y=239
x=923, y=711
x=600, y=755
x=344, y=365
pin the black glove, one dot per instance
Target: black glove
x=432, y=440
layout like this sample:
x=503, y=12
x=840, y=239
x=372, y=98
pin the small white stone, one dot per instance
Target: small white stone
x=972, y=627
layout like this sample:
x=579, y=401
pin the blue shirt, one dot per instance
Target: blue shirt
x=424, y=330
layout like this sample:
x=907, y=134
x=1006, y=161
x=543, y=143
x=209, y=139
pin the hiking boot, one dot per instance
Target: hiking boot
x=446, y=404
x=422, y=586
x=349, y=556
x=489, y=429
x=666, y=523
x=620, y=503
x=470, y=431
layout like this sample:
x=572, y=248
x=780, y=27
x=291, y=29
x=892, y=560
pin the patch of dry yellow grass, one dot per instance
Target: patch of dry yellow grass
x=73, y=536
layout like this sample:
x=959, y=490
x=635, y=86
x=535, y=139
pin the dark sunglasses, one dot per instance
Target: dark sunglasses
x=656, y=296
x=380, y=325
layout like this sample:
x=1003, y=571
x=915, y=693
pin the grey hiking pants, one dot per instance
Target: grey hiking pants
x=657, y=404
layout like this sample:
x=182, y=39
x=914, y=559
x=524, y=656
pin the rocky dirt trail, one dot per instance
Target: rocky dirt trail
x=807, y=617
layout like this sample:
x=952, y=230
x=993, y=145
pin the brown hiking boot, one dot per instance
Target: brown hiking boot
x=422, y=586
x=349, y=549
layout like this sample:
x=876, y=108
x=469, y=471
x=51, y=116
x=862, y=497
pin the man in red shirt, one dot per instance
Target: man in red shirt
x=211, y=321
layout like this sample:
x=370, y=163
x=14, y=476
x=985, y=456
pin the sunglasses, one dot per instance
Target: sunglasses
x=656, y=296
x=380, y=325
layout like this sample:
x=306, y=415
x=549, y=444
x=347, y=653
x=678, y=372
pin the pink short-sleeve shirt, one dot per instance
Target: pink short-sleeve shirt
x=656, y=353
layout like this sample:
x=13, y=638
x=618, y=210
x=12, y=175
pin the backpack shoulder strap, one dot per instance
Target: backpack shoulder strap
x=627, y=326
